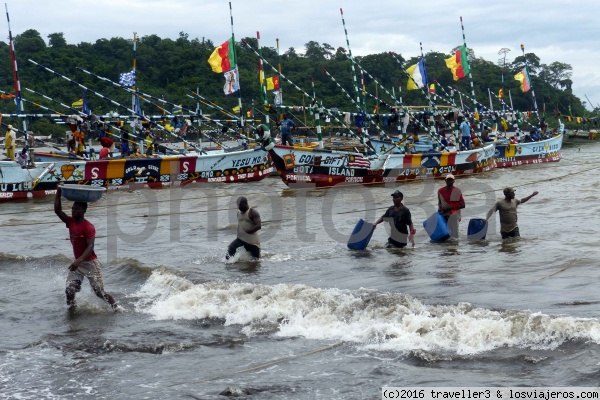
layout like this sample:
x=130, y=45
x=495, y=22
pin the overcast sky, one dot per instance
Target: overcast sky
x=565, y=31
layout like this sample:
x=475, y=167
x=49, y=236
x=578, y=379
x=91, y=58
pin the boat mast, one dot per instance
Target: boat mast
x=18, y=102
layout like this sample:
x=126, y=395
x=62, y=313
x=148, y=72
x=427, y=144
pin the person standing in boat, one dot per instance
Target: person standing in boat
x=10, y=143
x=465, y=134
x=400, y=220
x=108, y=146
x=450, y=202
x=125, y=151
x=249, y=224
x=507, y=208
x=82, y=234
x=286, y=127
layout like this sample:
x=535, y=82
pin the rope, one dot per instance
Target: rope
x=560, y=270
x=265, y=365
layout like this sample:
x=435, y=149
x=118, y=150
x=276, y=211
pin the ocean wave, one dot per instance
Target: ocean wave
x=372, y=319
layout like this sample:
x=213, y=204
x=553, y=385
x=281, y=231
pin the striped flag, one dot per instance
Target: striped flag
x=358, y=161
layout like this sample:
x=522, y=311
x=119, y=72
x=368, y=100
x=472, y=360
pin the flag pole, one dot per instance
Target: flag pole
x=263, y=82
x=470, y=73
x=280, y=95
x=241, y=112
x=18, y=102
x=535, y=107
x=354, y=78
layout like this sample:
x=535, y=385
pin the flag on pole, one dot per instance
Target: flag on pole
x=77, y=104
x=278, y=100
x=127, y=79
x=432, y=88
x=84, y=107
x=459, y=63
x=232, y=81
x=523, y=77
x=222, y=58
x=501, y=94
x=236, y=109
x=273, y=83
x=418, y=74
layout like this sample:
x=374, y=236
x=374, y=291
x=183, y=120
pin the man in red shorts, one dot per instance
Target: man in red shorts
x=82, y=234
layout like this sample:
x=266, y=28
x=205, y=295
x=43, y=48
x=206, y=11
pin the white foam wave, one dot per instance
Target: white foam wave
x=383, y=321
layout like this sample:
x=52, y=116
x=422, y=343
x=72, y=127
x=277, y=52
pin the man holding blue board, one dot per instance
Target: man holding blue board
x=82, y=234
x=507, y=208
x=450, y=202
x=400, y=220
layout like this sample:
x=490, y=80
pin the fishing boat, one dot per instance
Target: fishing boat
x=328, y=168
x=128, y=173
x=522, y=153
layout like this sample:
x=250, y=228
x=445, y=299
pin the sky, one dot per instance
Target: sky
x=564, y=31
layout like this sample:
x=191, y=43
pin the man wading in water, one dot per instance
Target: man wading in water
x=82, y=234
x=247, y=231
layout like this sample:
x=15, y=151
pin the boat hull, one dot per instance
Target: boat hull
x=327, y=168
x=129, y=173
x=511, y=155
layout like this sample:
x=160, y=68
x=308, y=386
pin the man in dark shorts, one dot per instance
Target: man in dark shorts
x=249, y=224
x=400, y=220
x=82, y=234
x=507, y=208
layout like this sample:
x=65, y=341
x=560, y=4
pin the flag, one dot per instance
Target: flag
x=523, y=77
x=278, y=97
x=232, y=81
x=358, y=162
x=222, y=58
x=77, y=104
x=432, y=88
x=418, y=76
x=236, y=109
x=177, y=109
x=459, y=63
x=7, y=96
x=501, y=94
x=127, y=79
x=273, y=83
x=137, y=108
x=84, y=107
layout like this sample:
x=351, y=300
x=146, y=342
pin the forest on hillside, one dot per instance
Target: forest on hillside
x=167, y=68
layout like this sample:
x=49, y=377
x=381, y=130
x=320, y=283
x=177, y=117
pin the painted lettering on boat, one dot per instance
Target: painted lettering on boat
x=303, y=178
x=95, y=171
x=304, y=169
x=217, y=179
x=185, y=166
x=15, y=187
x=246, y=161
x=354, y=179
x=328, y=161
x=341, y=171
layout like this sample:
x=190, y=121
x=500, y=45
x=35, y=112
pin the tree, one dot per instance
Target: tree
x=57, y=40
x=533, y=64
x=557, y=74
x=314, y=50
